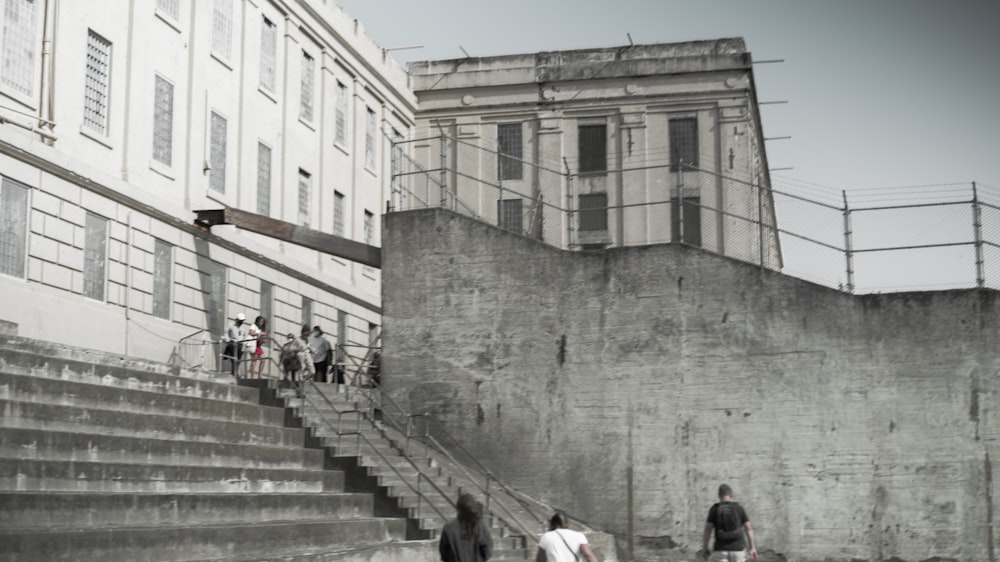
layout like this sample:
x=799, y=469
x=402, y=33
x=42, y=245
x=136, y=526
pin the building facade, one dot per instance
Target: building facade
x=120, y=119
x=607, y=143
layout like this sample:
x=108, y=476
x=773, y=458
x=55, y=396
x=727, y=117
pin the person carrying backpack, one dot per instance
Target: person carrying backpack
x=729, y=521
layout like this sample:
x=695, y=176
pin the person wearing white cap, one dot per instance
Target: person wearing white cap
x=234, y=338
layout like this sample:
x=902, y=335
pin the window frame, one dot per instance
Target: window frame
x=341, y=120
x=593, y=215
x=162, y=280
x=18, y=259
x=222, y=8
x=686, y=140
x=30, y=35
x=217, y=166
x=510, y=166
x=692, y=208
x=95, y=259
x=339, y=214
x=264, y=188
x=307, y=86
x=157, y=80
x=371, y=123
x=271, y=50
x=304, y=198
x=97, y=101
x=510, y=214
x=592, y=159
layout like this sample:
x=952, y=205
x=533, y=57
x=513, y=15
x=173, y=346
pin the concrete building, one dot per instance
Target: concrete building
x=606, y=142
x=119, y=119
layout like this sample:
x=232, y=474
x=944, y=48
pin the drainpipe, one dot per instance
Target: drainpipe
x=128, y=98
x=45, y=96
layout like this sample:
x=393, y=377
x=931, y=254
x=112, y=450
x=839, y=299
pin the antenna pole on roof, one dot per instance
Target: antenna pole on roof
x=630, y=42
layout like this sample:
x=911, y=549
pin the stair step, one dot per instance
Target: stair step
x=34, y=511
x=64, y=445
x=87, y=394
x=193, y=542
x=58, y=417
x=82, y=476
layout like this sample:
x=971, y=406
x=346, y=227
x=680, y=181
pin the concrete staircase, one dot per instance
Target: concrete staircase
x=107, y=458
x=423, y=482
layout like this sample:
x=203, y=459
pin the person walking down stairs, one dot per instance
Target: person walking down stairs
x=561, y=544
x=466, y=538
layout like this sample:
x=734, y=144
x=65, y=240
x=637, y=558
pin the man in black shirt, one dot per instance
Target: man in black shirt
x=729, y=522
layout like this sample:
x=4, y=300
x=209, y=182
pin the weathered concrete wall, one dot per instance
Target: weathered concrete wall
x=850, y=427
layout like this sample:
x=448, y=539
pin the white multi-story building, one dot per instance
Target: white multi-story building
x=120, y=119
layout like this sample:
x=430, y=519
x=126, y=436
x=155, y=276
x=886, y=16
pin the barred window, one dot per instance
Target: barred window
x=338, y=213
x=163, y=265
x=268, y=54
x=369, y=228
x=266, y=300
x=691, y=222
x=510, y=138
x=214, y=276
x=370, y=140
x=510, y=215
x=263, y=179
x=19, y=40
x=593, y=211
x=95, y=253
x=222, y=28
x=163, y=121
x=13, y=227
x=308, y=80
x=98, y=83
x=169, y=8
x=217, y=154
x=341, y=135
x=683, y=142
x=307, y=311
x=341, y=329
x=593, y=148
x=305, y=192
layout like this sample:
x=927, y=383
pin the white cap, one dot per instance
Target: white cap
x=241, y=316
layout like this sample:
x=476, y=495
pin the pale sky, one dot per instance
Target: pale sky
x=880, y=92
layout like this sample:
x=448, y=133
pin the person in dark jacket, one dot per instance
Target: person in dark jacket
x=466, y=538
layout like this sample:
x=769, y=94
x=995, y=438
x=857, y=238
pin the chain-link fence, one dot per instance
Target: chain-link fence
x=864, y=241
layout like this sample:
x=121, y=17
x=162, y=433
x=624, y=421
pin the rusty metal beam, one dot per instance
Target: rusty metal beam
x=288, y=232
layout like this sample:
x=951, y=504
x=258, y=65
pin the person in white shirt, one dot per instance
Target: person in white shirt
x=561, y=544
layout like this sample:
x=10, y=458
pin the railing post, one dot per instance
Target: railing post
x=444, y=170
x=409, y=422
x=977, y=225
x=848, y=245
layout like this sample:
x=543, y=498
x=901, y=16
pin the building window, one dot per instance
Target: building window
x=267, y=302
x=307, y=311
x=268, y=54
x=510, y=138
x=593, y=140
x=370, y=140
x=169, y=8
x=305, y=192
x=222, y=29
x=683, y=142
x=19, y=30
x=213, y=280
x=342, y=331
x=95, y=253
x=163, y=121
x=98, y=83
x=593, y=211
x=510, y=215
x=13, y=227
x=307, y=80
x=691, y=221
x=263, y=179
x=373, y=334
x=217, y=154
x=341, y=134
x=163, y=265
x=338, y=213
x=369, y=228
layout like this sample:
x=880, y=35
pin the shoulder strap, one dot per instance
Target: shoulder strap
x=575, y=557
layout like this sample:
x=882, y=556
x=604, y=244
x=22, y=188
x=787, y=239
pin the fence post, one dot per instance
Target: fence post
x=849, y=249
x=760, y=223
x=500, y=209
x=569, y=205
x=680, y=200
x=977, y=225
x=444, y=170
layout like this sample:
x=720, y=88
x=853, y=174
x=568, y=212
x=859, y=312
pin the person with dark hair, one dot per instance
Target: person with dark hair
x=562, y=544
x=466, y=538
x=729, y=521
x=321, y=352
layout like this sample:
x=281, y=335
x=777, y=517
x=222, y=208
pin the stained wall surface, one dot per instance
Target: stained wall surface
x=849, y=427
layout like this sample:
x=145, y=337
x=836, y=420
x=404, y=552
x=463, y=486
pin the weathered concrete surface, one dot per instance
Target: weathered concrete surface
x=850, y=427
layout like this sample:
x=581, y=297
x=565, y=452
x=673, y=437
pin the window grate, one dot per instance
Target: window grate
x=341, y=135
x=683, y=142
x=593, y=149
x=510, y=139
x=370, y=140
x=95, y=252
x=169, y=8
x=222, y=28
x=19, y=45
x=13, y=227
x=217, y=154
x=305, y=192
x=268, y=54
x=95, y=111
x=163, y=121
x=593, y=211
x=510, y=215
x=692, y=221
x=263, y=179
x=162, y=274
x=308, y=80
x=338, y=213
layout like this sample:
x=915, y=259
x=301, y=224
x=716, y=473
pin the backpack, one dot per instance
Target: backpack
x=727, y=522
